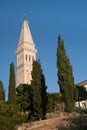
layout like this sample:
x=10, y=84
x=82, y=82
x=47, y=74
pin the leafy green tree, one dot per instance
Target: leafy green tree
x=39, y=91
x=54, y=99
x=12, y=86
x=10, y=116
x=65, y=77
x=82, y=93
x=2, y=93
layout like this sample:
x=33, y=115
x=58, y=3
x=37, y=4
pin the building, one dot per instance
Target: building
x=25, y=54
x=82, y=104
x=83, y=83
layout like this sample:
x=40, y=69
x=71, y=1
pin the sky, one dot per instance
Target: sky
x=47, y=19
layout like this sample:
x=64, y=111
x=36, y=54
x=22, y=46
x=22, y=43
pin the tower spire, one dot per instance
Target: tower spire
x=25, y=35
x=25, y=53
x=25, y=17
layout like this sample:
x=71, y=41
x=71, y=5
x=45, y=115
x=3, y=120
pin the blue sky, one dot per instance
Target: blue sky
x=47, y=19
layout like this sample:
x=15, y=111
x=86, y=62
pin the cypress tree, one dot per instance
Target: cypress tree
x=36, y=85
x=44, y=97
x=65, y=77
x=2, y=93
x=39, y=91
x=12, y=89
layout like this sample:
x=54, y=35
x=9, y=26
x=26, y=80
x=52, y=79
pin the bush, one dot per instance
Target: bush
x=10, y=116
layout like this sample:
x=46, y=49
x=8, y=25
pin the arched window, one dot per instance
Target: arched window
x=29, y=58
x=26, y=57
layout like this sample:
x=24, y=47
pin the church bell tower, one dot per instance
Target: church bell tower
x=25, y=55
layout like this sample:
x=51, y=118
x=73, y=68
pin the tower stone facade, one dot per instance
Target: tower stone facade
x=25, y=54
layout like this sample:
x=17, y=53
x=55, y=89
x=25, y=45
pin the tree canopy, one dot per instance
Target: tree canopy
x=82, y=93
x=65, y=77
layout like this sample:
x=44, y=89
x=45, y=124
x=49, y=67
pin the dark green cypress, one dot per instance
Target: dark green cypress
x=2, y=93
x=65, y=77
x=44, y=97
x=12, y=89
x=39, y=91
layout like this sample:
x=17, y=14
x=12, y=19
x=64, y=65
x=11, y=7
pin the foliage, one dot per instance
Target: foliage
x=10, y=116
x=65, y=77
x=39, y=91
x=82, y=93
x=12, y=90
x=53, y=100
x=81, y=111
x=24, y=96
x=2, y=93
x=25, y=99
x=71, y=128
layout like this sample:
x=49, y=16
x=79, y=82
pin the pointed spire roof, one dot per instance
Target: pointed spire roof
x=25, y=35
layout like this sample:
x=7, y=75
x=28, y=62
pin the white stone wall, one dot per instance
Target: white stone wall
x=85, y=86
x=81, y=104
